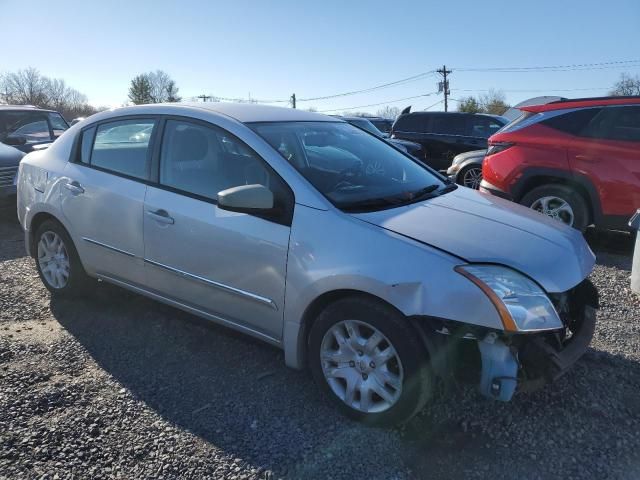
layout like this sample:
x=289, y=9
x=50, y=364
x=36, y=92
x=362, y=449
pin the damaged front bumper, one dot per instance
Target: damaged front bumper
x=528, y=361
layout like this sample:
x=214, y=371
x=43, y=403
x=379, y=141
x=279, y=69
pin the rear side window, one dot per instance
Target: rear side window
x=410, y=123
x=449, y=124
x=123, y=147
x=616, y=123
x=573, y=123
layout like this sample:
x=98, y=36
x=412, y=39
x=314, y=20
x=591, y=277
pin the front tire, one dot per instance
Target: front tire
x=561, y=203
x=57, y=261
x=369, y=361
x=470, y=176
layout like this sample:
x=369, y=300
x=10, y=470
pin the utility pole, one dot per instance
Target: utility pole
x=293, y=100
x=204, y=97
x=444, y=85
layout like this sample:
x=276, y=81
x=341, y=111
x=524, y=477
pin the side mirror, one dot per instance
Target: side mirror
x=246, y=198
x=15, y=140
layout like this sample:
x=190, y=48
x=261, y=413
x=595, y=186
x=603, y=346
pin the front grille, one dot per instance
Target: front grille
x=7, y=174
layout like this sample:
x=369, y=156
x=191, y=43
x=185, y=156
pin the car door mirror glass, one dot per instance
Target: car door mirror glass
x=246, y=198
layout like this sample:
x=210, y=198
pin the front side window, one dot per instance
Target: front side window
x=58, y=124
x=483, y=127
x=123, y=147
x=204, y=160
x=410, y=123
x=354, y=170
x=24, y=127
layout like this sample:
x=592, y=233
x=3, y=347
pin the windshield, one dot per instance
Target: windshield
x=355, y=170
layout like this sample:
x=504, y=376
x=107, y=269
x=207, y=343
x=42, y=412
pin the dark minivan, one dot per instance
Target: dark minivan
x=444, y=135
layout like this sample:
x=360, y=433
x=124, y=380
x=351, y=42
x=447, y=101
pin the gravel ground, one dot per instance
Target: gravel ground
x=118, y=386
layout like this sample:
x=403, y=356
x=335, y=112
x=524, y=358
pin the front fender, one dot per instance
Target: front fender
x=416, y=279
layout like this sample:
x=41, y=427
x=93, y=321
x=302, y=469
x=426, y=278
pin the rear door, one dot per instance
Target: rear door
x=103, y=196
x=227, y=265
x=448, y=136
x=608, y=151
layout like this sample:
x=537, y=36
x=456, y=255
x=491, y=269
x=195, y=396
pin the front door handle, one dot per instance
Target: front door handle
x=161, y=216
x=74, y=187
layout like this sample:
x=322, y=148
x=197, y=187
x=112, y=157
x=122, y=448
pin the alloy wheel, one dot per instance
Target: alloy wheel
x=472, y=178
x=556, y=208
x=53, y=259
x=361, y=366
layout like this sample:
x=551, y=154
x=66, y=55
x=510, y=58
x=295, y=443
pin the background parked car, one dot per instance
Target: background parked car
x=9, y=160
x=382, y=124
x=577, y=161
x=24, y=127
x=445, y=135
x=411, y=148
x=466, y=168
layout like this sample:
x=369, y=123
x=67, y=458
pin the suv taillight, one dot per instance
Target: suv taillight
x=498, y=147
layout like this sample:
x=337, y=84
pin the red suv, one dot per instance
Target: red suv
x=577, y=161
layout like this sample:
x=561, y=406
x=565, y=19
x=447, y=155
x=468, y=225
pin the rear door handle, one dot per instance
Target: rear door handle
x=586, y=158
x=74, y=187
x=161, y=216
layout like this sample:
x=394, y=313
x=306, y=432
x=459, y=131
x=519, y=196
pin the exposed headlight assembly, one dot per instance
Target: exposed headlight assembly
x=522, y=305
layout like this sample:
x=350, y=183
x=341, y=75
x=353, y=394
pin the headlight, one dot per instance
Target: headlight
x=522, y=304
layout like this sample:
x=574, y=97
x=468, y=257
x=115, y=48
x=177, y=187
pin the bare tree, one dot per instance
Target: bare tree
x=388, y=112
x=25, y=87
x=627, y=85
x=29, y=87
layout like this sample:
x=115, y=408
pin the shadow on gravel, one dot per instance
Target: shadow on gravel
x=237, y=394
x=11, y=237
x=231, y=390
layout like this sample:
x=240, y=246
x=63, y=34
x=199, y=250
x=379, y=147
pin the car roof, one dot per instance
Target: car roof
x=251, y=112
x=581, y=103
x=25, y=108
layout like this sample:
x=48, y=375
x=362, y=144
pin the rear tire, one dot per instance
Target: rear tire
x=561, y=203
x=384, y=362
x=57, y=261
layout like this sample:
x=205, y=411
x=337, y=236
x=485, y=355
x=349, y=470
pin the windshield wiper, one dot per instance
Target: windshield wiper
x=371, y=204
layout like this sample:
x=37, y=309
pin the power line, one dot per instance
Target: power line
x=371, y=89
x=531, y=90
x=378, y=104
x=431, y=106
x=557, y=68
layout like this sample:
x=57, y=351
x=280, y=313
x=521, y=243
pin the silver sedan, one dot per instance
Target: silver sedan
x=299, y=229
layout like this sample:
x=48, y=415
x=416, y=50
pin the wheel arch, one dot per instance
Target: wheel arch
x=536, y=177
x=296, y=351
x=35, y=222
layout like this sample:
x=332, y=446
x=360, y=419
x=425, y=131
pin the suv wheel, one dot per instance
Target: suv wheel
x=470, y=176
x=368, y=359
x=559, y=202
x=57, y=260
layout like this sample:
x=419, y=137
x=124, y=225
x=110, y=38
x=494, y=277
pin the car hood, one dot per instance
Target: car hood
x=480, y=228
x=463, y=157
x=9, y=156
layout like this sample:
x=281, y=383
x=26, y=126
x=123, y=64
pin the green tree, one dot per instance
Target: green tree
x=469, y=105
x=140, y=90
